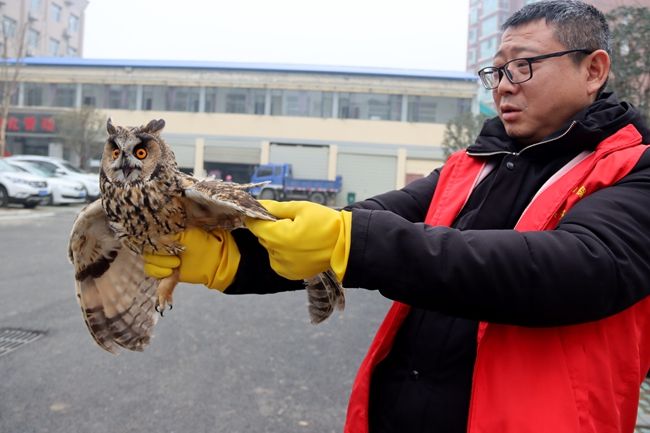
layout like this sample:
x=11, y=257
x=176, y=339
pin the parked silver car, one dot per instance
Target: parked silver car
x=64, y=190
x=19, y=187
x=63, y=168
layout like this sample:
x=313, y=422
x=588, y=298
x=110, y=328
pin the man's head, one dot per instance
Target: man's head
x=549, y=90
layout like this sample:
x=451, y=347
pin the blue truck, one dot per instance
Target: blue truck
x=283, y=186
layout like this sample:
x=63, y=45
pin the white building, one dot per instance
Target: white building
x=378, y=128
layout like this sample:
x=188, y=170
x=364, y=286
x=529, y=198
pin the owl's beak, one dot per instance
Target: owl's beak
x=127, y=170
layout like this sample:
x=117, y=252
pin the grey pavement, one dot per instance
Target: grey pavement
x=217, y=363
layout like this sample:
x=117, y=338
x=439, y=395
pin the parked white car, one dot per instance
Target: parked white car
x=22, y=188
x=64, y=190
x=63, y=168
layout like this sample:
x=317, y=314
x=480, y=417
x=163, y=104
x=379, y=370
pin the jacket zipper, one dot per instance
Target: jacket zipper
x=505, y=152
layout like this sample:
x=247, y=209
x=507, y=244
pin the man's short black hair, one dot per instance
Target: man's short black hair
x=577, y=24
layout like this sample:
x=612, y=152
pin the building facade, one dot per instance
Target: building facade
x=377, y=128
x=484, y=33
x=49, y=27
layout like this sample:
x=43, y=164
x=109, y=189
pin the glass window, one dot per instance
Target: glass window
x=122, y=97
x=32, y=39
x=183, y=99
x=53, y=47
x=473, y=15
x=63, y=95
x=36, y=5
x=301, y=103
x=72, y=51
x=488, y=48
x=436, y=109
x=490, y=6
x=34, y=94
x=55, y=12
x=154, y=98
x=8, y=27
x=471, y=35
x=370, y=106
x=235, y=100
x=73, y=23
x=489, y=26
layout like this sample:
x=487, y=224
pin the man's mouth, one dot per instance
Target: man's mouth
x=509, y=113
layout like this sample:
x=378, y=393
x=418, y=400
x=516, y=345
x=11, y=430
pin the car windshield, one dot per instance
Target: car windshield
x=72, y=168
x=33, y=169
x=5, y=166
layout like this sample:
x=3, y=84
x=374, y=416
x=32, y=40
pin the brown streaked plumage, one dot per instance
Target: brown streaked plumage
x=145, y=201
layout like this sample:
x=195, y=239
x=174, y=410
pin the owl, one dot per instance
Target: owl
x=146, y=200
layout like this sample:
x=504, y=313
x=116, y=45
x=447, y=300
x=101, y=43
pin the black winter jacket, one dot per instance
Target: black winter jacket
x=594, y=264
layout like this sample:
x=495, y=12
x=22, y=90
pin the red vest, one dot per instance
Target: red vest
x=567, y=379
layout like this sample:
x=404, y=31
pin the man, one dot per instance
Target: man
x=521, y=267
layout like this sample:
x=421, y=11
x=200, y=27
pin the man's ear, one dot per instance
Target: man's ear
x=597, y=64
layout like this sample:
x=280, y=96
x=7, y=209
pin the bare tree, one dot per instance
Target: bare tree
x=81, y=131
x=461, y=132
x=10, y=69
x=631, y=56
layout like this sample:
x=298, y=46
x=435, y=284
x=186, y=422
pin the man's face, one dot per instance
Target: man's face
x=536, y=108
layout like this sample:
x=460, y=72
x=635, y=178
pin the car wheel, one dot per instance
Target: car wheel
x=318, y=197
x=4, y=196
x=267, y=194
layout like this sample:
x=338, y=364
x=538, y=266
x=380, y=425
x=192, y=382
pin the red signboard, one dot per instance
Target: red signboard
x=35, y=123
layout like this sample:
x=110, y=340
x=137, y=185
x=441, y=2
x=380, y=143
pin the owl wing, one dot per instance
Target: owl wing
x=117, y=299
x=214, y=204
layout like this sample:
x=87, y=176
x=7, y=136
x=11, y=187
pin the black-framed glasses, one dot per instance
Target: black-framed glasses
x=518, y=70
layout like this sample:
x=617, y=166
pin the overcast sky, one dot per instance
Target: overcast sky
x=405, y=34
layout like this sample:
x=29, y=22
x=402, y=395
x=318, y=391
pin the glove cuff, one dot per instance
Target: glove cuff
x=341, y=252
x=227, y=267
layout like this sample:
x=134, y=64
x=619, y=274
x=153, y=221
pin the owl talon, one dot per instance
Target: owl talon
x=161, y=308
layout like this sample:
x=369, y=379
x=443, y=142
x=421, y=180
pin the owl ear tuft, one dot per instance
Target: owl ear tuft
x=110, y=128
x=155, y=126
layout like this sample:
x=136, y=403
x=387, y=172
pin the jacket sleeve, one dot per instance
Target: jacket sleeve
x=255, y=275
x=594, y=264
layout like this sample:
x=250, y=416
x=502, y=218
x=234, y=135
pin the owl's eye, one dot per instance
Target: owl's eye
x=115, y=153
x=141, y=153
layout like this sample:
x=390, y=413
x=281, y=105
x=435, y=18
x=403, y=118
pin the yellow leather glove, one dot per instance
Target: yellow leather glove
x=307, y=239
x=210, y=258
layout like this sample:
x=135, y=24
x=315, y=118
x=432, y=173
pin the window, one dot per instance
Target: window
x=55, y=12
x=235, y=100
x=73, y=23
x=488, y=48
x=301, y=103
x=490, y=6
x=63, y=95
x=8, y=27
x=489, y=26
x=36, y=5
x=436, y=109
x=153, y=98
x=183, y=99
x=33, y=39
x=473, y=15
x=34, y=94
x=422, y=109
x=72, y=51
x=121, y=97
x=53, y=47
x=370, y=106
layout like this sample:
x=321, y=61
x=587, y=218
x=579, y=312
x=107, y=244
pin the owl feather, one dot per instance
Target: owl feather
x=145, y=201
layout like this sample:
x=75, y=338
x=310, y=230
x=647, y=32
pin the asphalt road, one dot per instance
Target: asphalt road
x=217, y=363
